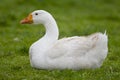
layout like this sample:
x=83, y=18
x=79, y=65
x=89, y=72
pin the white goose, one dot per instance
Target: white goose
x=67, y=53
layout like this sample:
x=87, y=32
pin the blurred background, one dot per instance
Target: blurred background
x=74, y=18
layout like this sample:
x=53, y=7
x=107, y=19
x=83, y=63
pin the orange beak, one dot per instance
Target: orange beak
x=27, y=20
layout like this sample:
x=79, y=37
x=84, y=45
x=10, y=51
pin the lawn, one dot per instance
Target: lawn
x=74, y=18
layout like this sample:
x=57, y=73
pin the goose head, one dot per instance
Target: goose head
x=37, y=17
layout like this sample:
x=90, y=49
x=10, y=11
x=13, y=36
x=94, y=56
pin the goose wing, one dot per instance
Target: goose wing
x=71, y=47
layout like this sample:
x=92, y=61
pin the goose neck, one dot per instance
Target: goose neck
x=52, y=32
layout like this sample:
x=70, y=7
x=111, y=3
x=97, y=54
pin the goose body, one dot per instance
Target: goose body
x=78, y=52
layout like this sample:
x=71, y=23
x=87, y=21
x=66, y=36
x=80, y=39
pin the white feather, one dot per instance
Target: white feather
x=105, y=32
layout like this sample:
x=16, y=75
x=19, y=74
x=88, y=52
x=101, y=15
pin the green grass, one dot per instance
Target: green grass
x=74, y=17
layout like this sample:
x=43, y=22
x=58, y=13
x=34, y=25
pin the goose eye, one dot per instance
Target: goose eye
x=36, y=13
